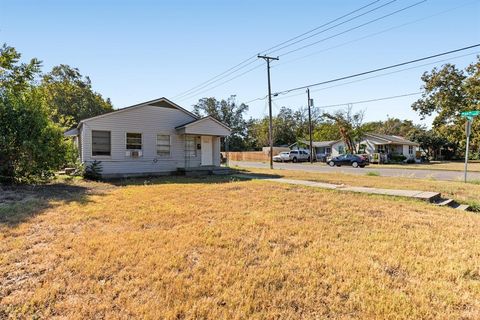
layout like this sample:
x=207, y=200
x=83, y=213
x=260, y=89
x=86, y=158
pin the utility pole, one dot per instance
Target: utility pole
x=310, y=105
x=270, y=125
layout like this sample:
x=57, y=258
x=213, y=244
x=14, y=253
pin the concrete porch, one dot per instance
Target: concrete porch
x=205, y=170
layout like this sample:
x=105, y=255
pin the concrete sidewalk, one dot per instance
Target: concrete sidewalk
x=432, y=197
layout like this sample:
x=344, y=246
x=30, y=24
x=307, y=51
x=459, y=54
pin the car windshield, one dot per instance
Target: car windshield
x=293, y=152
x=284, y=153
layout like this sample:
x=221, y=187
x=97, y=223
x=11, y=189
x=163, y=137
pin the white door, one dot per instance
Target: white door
x=207, y=151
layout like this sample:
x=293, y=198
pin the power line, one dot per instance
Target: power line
x=373, y=34
x=321, y=26
x=334, y=26
x=354, y=28
x=218, y=78
x=370, y=100
x=378, y=69
x=244, y=63
x=192, y=94
x=372, y=77
x=222, y=83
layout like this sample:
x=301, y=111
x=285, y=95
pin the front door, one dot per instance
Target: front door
x=207, y=151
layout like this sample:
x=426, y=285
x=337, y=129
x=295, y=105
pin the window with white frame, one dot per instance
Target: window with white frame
x=410, y=149
x=101, y=144
x=190, y=146
x=163, y=145
x=381, y=148
x=134, y=141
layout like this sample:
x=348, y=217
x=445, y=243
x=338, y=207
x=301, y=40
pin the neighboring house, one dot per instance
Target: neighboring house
x=324, y=149
x=388, y=145
x=153, y=137
x=372, y=144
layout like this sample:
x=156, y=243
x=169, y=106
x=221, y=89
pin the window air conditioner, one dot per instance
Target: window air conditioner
x=133, y=153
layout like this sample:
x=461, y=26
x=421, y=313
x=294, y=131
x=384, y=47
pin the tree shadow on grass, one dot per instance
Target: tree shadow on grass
x=173, y=179
x=21, y=203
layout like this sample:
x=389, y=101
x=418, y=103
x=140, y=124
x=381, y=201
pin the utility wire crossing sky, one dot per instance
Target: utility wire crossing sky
x=135, y=51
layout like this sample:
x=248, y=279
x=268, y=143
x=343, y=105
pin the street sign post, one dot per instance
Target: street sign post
x=468, y=129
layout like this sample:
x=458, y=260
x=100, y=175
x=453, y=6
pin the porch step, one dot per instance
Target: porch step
x=203, y=171
x=445, y=202
x=223, y=171
x=463, y=207
x=452, y=204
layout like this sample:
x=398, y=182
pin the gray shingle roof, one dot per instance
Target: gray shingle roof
x=390, y=139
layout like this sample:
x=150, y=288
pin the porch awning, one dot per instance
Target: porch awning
x=207, y=126
x=71, y=133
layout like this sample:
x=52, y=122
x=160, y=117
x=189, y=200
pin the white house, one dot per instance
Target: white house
x=389, y=145
x=372, y=144
x=152, y=137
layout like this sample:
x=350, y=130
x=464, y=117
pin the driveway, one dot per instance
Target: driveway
x=386, y=172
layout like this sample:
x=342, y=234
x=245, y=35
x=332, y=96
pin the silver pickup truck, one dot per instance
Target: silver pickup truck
x=299, y=155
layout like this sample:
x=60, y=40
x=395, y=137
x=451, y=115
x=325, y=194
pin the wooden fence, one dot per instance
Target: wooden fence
x=246, y=156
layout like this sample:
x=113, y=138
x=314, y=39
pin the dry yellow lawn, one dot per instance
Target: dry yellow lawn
x=473, y=166
x=468, y=193
x=217, y=249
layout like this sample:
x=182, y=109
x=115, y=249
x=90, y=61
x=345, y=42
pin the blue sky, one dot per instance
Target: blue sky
x=135, y=51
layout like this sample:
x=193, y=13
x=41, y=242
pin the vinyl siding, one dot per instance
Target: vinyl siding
x=335, y=148
x=216, y=151
x=149, y=121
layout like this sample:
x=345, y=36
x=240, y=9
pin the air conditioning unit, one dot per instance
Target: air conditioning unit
x=133, y=153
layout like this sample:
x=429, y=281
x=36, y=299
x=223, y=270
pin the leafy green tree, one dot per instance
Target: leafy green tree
x=31, y=145
x=16, y=76
x=229, y=112
x=392, y=126
x=447, y=92
x=71, y=97
x=257, y=134
x=431, y=143
x=326, y=131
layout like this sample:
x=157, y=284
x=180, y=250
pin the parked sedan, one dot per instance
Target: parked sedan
x=282, y=157
x=349, y=160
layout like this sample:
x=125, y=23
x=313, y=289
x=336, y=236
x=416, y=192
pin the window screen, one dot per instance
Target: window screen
x=190, y=146
x=163, y=145
x=134, y=141
x=100, y=143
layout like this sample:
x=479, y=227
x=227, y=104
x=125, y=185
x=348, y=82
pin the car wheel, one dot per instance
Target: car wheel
x=294, y=159
x=331, y=163
x=355, y=164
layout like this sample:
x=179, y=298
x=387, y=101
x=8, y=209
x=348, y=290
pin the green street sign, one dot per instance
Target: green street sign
x=470, y=113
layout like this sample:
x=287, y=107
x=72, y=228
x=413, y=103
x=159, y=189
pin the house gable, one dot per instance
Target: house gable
x=204, y=126
x=160, y=103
